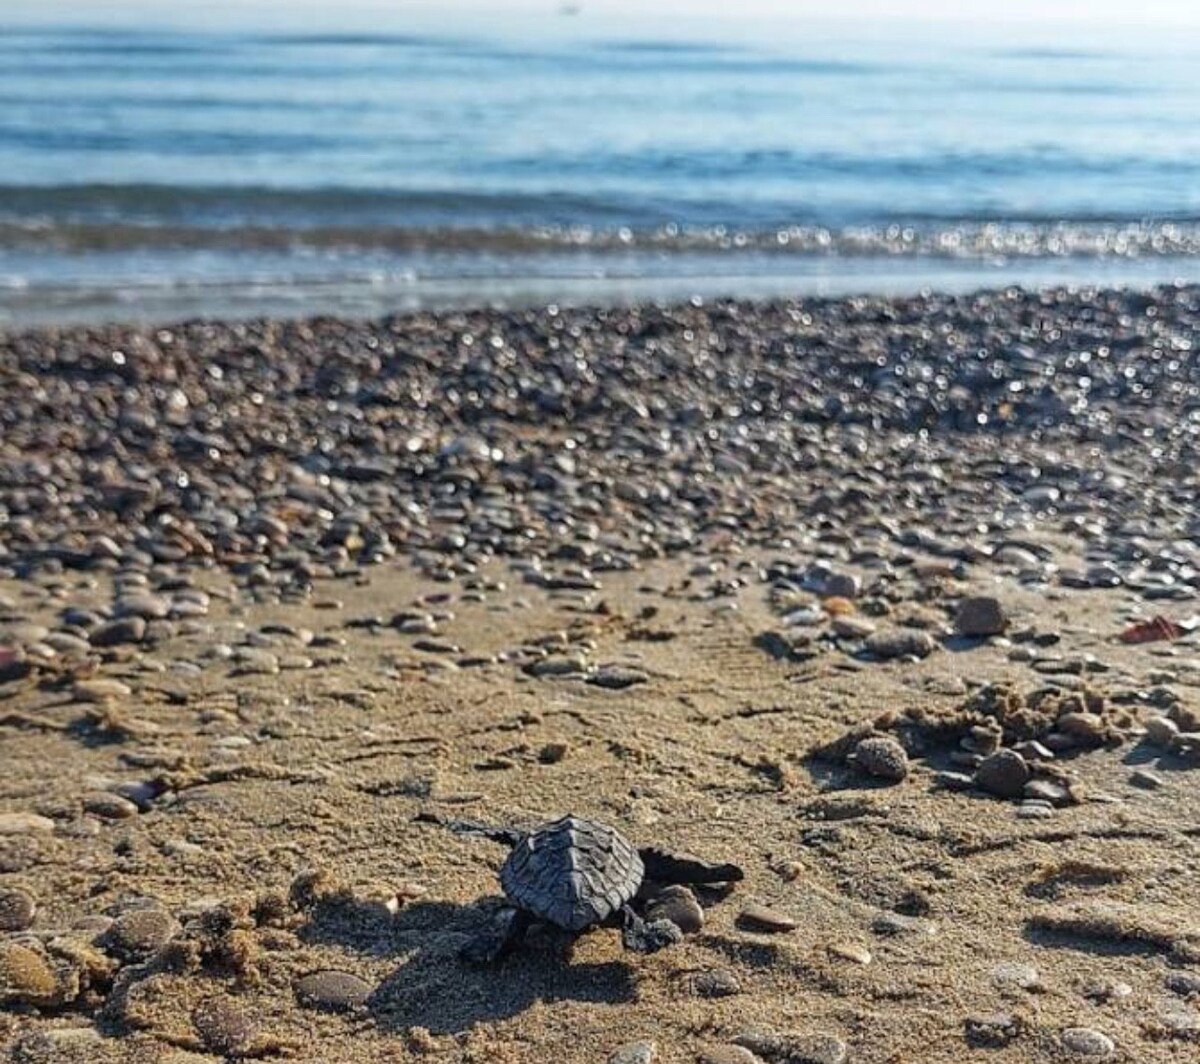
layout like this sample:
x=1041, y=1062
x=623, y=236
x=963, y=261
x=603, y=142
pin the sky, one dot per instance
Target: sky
x=1087, y=12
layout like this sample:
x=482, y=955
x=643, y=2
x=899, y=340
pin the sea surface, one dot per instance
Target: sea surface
x=155, y=172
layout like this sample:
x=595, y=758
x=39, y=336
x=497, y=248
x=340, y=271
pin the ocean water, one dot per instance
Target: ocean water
x=158, y=172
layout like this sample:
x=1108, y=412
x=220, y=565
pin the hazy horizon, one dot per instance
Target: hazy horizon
x=1097, y=15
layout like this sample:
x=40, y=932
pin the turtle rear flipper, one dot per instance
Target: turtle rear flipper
x=647, y=936
x=684, y=868
x=502, y=931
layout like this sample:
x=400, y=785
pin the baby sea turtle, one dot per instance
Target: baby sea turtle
x=577, y=873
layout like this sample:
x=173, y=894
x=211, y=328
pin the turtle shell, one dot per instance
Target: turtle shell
x=572, y=872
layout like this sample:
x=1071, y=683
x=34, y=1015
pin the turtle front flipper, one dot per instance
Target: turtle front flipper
x=502, y=931
x=644, y=936
x=506, y=836
x=665, y=867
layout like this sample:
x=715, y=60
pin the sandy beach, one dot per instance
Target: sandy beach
x=889, y=602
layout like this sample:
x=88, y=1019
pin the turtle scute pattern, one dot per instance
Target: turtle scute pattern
x=572, y=872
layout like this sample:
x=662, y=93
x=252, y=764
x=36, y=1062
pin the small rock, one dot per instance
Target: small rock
x=785, y=1047
x=981, y=616
x=852, y=627
x=718, y=983
x=850, y=951
x=1186, y=984
x=100, y=690
x=109, y=806
x=1004, y=774
x=900, y=643
x=1107, y=990
x=1086, y=1042
x=1161, y=731
x=616, y=678
x=727, y=1055
x=553, y=753
x=679, y=905
x=139, y=933
x=634, y=1053
x=755, y=917
x=899, y=924
x=559, y=666
x=26, y=977
x=223, y=1027
x=882, y=757
x=1016, y=976
x=333, y=991
x=17, y=909
x=991, y=1031
x=115, y=633
x=1048, y=791
x=1147, y=780
x=24, y=823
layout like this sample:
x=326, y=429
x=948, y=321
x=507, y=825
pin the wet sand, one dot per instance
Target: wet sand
x=269, y=592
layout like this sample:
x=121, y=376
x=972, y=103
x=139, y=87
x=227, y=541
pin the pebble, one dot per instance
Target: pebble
x=224, y=1027
x=1016, y=976
x=617, y=678
x=24, y=823
x=900, y=643
x=17, y=909
x=727, y=1055
x=850, y=951
x=1086, y=1042
x=851, y=627
x=792, y=1048
x=333, y=991
x=755, y=917
x=717, y=983
x=1106, y=990
x=254, y=661
x=1186, y=984
x=1161, y=731
x=109, y=806
x=26, y=977
x=981, y=616
x=118, y=632
x=991, y=1031
x=1147, y=780
x=1003, y=774
x=882, y=757
x=634, y=1053
x=895, y=924
x=139, y=933
x=100, y=690
x=679, y=905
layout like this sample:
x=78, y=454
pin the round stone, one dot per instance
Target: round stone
x=17, y=909
x=882, y=757
x=981, y=616
x=1086, y=1042
x=223, y=1026
x=679, y=905
x=1004, y=774
x=634, y=1053
x=333, y=991
x=718, y=983
x=122, y=630
x=1016, y=976
x=139, y=933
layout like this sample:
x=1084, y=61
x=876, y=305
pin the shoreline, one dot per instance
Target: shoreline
x=275, y=290
x=891, y=602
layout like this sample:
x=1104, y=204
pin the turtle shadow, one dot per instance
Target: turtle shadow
x=433, y=988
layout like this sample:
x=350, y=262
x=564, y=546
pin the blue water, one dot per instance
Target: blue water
x=386, y=165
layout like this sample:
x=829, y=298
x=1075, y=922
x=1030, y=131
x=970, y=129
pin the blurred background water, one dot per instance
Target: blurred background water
x=161, y=172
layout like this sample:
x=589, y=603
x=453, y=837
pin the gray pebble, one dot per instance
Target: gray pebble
x=634, y=1053
x=1004, y=774
x=17, y=909
x=1086, y=1042
x=332, y=991
x=882, y=757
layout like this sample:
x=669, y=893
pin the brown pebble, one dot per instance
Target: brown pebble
x=332, y=991
x=850, y=951
x=755, y=917
x=109, y=806
x=718, y=983
x=679, y=905
x=1004, y=774
x=139, y=933
x=223, y=1027
x=17, y=909
x=882, y=758
x=25, y=976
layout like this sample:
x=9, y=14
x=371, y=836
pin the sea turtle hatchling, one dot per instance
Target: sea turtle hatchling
x=577, y=873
